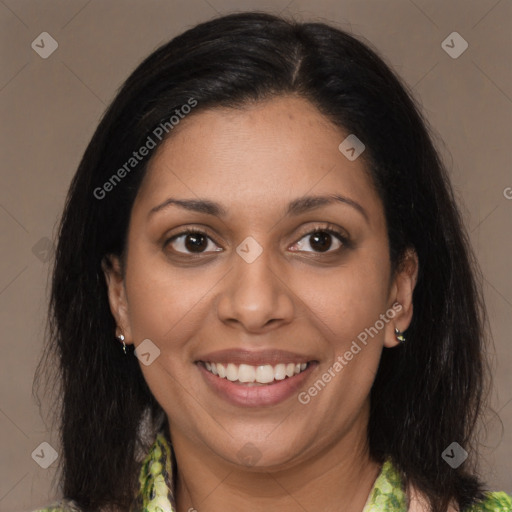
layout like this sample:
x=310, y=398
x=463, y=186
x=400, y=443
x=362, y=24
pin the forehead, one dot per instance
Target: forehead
x=259, y=155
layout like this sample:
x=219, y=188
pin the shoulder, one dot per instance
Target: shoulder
x=60, y=506
x=493, y=502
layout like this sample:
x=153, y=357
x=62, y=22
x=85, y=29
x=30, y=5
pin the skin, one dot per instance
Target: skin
x=254, y=161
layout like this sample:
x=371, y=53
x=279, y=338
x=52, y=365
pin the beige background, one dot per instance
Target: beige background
x=50, y=108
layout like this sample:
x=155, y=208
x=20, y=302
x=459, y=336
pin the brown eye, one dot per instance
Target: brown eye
x=191, y=241
x=321, y=241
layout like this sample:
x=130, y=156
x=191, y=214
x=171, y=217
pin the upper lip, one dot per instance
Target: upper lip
x=253, y=357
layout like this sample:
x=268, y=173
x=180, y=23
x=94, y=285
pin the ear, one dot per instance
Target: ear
x=112, y=268
x=400, y=297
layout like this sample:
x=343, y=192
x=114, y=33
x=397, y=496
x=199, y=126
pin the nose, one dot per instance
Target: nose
x=255, y=296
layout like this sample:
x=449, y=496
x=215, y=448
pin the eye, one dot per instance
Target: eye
x=192, y=241
x=321, y=240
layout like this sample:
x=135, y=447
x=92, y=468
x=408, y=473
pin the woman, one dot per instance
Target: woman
x=263, y=223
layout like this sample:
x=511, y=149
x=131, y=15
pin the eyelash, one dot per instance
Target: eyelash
x=345, y=242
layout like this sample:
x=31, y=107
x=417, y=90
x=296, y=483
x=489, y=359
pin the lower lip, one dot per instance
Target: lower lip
x=256, y=396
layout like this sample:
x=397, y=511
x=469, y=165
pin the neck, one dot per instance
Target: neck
x=339, y=476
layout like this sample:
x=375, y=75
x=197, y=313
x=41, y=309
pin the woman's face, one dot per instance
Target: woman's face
x=259, y=292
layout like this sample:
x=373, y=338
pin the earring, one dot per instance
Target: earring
x=399, y=335
x=121, y=338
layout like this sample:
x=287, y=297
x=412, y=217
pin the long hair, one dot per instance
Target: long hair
x=427, y=393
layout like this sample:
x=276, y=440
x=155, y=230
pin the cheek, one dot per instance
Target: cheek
x=167, y=308
x=160, y=298
x=347, y=300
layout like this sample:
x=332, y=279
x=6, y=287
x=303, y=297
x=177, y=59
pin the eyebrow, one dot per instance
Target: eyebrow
x=295, y=207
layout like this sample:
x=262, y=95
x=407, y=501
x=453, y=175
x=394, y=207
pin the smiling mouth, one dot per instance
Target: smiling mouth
x=249, y=375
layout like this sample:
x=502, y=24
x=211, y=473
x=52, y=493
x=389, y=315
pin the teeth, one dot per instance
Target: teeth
x=246, y=373
x=232, y=372
x=262, y=374
x=221, y=370
x=280, y=371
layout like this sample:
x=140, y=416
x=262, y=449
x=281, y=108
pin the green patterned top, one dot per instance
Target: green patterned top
x=156, y=494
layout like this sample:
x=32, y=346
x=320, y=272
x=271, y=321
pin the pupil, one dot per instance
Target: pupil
x=323, y=240
x=198, y=241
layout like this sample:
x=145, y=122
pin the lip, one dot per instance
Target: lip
x=254, y=358
x=242, y=395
